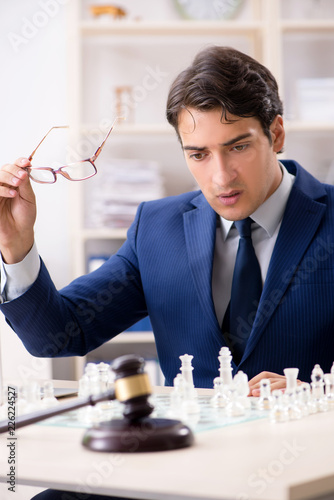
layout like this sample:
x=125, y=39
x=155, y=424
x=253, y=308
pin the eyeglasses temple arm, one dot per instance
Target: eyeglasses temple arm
x=32, y=154
x=99, y=149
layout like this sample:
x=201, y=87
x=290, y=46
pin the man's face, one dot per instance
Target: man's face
x=233, y=162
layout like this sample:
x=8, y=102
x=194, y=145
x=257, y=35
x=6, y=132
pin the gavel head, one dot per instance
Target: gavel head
x=132, y=386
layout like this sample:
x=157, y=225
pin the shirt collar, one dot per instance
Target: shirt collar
x=270, y=213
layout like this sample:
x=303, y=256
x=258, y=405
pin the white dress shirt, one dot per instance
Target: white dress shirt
x=17, y=278
x=268, y=218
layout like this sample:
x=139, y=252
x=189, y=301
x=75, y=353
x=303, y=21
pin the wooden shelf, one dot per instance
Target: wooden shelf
x=162, y=28
x=131, y=129
x=307, y=25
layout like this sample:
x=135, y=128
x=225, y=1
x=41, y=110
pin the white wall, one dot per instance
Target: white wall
x=32, y=99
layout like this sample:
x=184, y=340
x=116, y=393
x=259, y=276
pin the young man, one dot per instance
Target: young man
x=177, y=263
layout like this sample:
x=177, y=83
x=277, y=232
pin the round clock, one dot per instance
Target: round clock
x=208, y=9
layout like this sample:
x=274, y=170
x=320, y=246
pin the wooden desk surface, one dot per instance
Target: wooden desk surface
x=251, y=461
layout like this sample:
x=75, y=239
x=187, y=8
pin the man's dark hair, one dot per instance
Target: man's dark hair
x=224, y=78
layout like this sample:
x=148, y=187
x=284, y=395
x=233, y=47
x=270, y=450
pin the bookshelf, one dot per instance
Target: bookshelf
x=103, y=51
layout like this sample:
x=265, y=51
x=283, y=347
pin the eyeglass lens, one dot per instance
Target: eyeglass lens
x=74, y=171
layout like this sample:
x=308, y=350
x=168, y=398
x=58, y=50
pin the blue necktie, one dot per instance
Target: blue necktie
x=245, y=293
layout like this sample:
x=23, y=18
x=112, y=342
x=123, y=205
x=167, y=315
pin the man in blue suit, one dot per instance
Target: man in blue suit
x=177, y=263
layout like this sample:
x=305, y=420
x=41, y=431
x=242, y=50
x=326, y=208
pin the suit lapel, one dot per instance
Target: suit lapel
x=200, y=235
x=300, y=223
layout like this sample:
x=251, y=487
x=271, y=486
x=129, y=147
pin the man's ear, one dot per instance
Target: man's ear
x=277, y=133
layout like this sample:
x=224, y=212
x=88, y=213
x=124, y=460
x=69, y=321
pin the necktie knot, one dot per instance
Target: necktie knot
x=244, y=227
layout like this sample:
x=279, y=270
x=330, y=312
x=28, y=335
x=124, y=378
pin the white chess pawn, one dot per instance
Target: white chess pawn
x=103, y=371
x=92, y=373
x=307, y=398
x=177, y=393
x=279, y=412
x=234, y=408
x=329, y=388
x=219, y=399
x=317, y=386
x=300, y=401
x=49, y=399
x=293, y=408
x=241, y=383
x=265, y=401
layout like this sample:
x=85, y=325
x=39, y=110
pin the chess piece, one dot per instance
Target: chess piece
x=307, y=398
x=219, y=399
x=317, y=385
x=187, y=374
x=265, y=401
x=290, y=396
x=137, y=431
x=234, y=407
x=279, y=412
x=49, y=400
x=240, y=381
x=329, y=388
x=225, y=369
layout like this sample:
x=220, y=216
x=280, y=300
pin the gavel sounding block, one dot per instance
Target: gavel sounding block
x=136, y=432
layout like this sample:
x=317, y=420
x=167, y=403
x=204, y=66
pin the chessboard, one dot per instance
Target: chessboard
x=206, y=419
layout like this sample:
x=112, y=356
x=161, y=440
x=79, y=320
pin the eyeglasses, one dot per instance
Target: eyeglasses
x=78, y=171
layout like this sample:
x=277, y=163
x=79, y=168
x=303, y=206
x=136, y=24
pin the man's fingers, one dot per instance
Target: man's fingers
x=275, y=383
x=270, y=375
x=12, y=176
x=22, y=162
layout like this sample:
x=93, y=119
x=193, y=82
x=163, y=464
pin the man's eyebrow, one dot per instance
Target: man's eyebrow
x=228, y=143
x=193, y=148
x=237, y=139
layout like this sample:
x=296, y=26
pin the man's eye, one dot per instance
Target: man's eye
x=240, y=147
x=197, y=156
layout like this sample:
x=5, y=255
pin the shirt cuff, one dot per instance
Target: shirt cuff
x=17, y=278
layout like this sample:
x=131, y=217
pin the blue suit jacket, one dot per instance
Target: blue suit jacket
x=164, y=269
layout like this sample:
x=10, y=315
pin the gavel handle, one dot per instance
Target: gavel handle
x=32, y=418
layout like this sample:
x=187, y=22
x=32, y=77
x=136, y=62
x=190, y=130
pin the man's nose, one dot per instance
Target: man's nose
x=224, y=171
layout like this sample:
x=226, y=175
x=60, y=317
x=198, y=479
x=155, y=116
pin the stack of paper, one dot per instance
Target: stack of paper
x=118, y=188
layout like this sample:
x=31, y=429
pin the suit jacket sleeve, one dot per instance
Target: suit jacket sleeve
x=91, y=310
